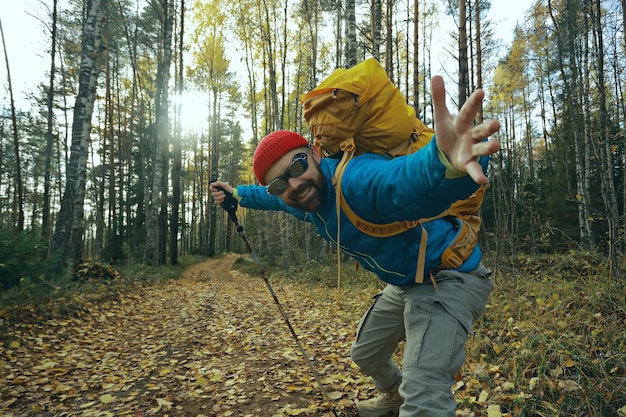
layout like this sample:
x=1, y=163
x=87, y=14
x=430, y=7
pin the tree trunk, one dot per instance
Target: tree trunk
x=46, y=228
x=463, y=65
x=106, y=136
x=479, y=58
x=154, y=222
x=18, y=166
x=624, y=23
x=573, y=104
x=67, y=242
x=311, y=14
x=351, y=58
x=215, y=157
x=111, y=231
x=406, y=59
x=129, y=232
x=338, y=39
x=273, y=93
x=389, y=40
x=607, y=180
x=177, y=147
x=416, y=65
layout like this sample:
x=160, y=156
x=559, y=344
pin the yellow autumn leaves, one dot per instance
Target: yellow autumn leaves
x=213, y=344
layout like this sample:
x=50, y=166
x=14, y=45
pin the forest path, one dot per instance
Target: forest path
x=211, y=343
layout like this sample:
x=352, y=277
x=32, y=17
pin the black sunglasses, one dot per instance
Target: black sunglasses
x=298, y=165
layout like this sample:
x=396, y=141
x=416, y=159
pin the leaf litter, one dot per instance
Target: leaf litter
x=212, y=343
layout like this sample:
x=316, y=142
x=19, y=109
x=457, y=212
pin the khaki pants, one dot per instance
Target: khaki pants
x=435, y=324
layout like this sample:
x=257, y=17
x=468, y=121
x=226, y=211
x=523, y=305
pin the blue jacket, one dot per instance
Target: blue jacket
x=383, y=190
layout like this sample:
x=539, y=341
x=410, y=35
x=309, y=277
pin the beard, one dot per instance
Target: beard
x=309, y=195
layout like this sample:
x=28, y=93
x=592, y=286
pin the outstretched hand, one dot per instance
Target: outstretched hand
x=461, y=141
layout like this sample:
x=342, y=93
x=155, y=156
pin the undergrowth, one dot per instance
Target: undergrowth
x=552, y=341
x=35, y=299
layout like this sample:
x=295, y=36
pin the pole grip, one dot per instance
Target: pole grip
x=229, y=204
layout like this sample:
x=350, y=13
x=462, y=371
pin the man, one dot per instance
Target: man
x=433, y=319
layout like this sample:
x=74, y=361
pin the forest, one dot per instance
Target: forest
x=143, y=102
x=105, y=168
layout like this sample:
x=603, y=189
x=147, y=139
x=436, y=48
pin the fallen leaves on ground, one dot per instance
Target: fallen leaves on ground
x=212, y=343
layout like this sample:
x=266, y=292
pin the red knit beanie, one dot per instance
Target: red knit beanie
x=272, y=148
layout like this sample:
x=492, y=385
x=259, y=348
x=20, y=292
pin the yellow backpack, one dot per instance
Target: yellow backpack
x=359, y=110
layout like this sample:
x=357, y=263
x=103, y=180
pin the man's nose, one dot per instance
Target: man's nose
x=294, y=182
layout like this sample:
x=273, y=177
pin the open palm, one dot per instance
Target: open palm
x=458, y=137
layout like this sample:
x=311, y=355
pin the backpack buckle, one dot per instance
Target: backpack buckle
x=451, y=259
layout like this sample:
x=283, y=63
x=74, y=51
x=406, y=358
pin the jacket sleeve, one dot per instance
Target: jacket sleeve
x=256, y=197
x=411, y=187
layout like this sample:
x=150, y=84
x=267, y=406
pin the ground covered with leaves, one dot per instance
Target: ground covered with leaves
x=213, y=343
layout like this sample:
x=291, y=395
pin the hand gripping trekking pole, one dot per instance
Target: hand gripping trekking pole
x=230, y=206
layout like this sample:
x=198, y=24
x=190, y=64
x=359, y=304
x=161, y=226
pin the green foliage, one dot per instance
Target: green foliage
x=246, y=265
x=36, y=299
x=314, y=274
x=153, y=274
x=551, y=341
x=20, y=258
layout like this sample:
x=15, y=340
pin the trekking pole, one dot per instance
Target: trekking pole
x=230, y=206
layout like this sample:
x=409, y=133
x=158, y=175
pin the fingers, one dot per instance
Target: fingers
x=217, y=191
x=457, y=137
x=482, y=148
x=475, y=170
x=438, y=93
x=218, y=197
x=485, y=148
x=470, y=108
x=485, y=129
x=219, y=186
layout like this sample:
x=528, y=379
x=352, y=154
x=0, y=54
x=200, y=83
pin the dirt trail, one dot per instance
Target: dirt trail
x=211, y=343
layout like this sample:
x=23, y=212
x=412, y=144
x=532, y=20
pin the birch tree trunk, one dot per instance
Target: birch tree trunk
x=177, y=148
x=159, y=192
x=607, y=179
x=67, y=242
x=565, y=47
x=311, y=14
x=18, y=166
x=351, y=59
x=624, y=23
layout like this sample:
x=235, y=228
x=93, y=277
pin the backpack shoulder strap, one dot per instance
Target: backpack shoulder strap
x=375, y=229
x=348, y=147
x=464, y=212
